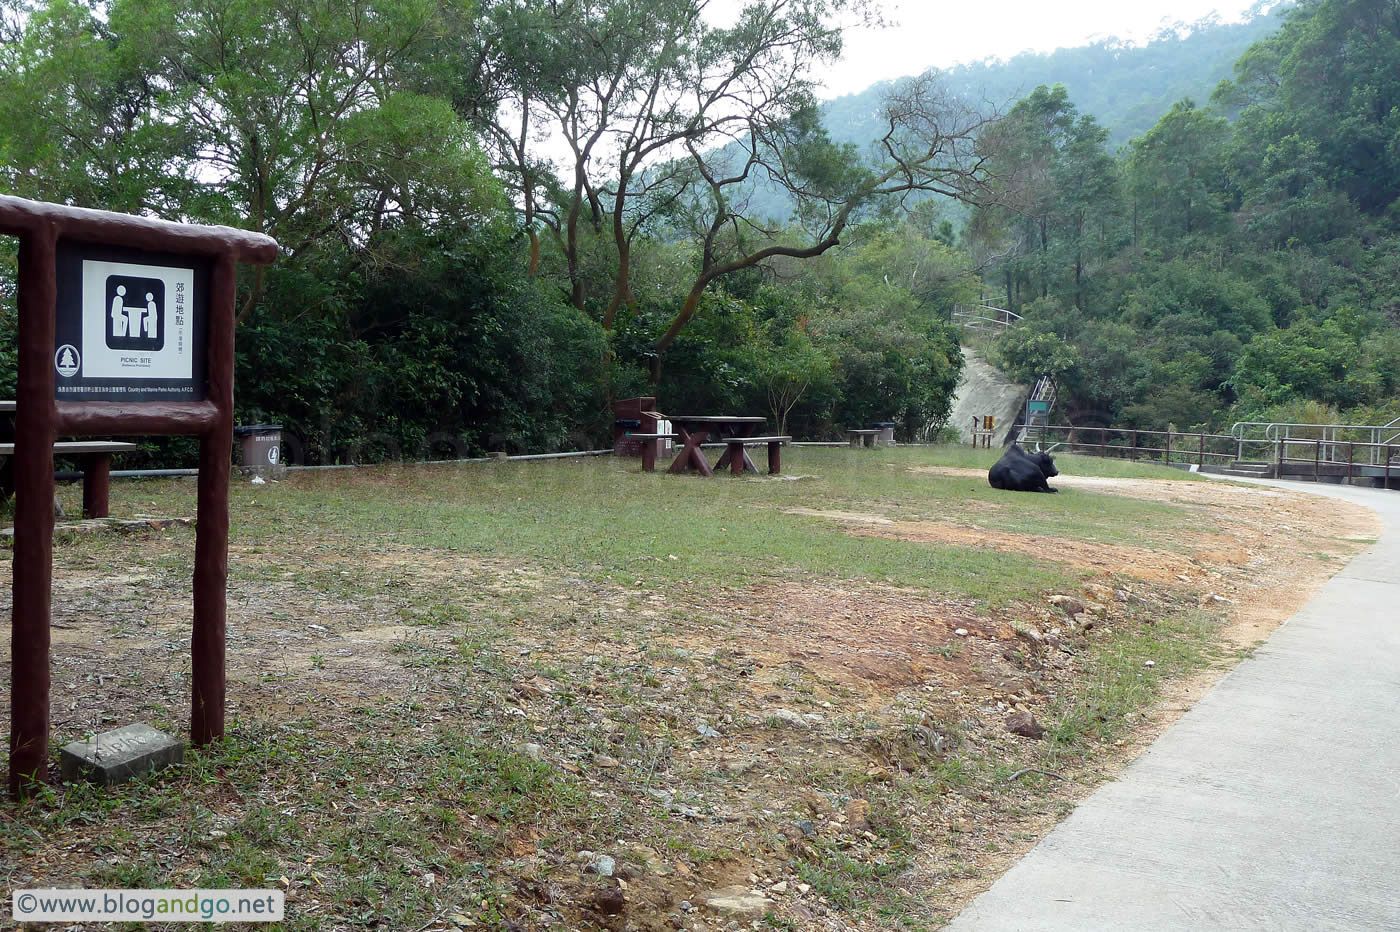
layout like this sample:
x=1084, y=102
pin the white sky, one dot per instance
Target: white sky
x=950, y=32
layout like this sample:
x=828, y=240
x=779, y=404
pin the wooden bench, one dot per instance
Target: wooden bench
x=96, y=459
x=649, y=447
x=861, y=438
x=736, y=446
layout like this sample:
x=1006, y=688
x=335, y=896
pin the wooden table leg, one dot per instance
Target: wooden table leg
x=745, y=431
x=97, y=471
x=735, y=452
x=723, y=462
x=691, y=456
x=649, y=455
x=775, y=462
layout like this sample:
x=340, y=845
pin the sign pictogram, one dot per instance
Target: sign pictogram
x=134, y=322
x=68, y=361
x=136, y=313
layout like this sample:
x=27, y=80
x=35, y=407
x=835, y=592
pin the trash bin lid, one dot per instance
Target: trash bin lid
x=247, y=429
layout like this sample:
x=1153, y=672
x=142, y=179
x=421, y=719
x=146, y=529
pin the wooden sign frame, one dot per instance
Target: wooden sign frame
x=40, y=419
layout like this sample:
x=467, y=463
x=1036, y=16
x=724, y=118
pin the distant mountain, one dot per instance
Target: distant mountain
x=1126, y=87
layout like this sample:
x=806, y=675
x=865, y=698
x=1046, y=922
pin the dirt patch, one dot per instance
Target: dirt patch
x=1107, y=559
x=861, y=642
x=855, y=517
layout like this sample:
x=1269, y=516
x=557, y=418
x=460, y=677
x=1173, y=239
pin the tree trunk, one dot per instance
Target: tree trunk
x=622, y=288
x=1044, y=260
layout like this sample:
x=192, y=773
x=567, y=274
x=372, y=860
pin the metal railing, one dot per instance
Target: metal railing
x=1044, y=390
x=1316, y=458
x=1292, y=457
x=1331, y=437
x=1130, y=443
x=984, y=317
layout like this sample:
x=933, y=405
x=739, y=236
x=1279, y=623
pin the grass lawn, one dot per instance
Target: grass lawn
x=570, y=695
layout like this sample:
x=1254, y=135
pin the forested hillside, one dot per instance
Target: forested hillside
x=1217, y=270
x=497, y=217
x=1126, y=86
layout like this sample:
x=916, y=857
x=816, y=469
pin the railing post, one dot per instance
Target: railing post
x=1351, y=456
x=1201, y=455
x=1103, y=442
x=1071, y=438
x=1132, y=455
x=1387, y=465
x=1278, y=457
x=1167, y=452
x=1317, y=458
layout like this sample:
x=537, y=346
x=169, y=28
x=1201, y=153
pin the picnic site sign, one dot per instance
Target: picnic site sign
x=125, y=328
x=130, y=325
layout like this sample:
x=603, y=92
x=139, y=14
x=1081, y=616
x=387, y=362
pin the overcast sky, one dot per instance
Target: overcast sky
x=942, y=33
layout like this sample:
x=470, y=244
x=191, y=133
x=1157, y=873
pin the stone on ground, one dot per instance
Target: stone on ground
x=119, y=755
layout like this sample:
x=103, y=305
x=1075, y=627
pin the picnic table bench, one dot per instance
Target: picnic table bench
x=695, y=429
x=96, y=459
x=861, y=438
x=94, y=456
x=739, y=461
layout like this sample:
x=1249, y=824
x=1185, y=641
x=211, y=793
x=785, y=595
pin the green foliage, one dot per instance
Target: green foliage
x=1030, y=352
x=449, y=356
x=1176, y=172
x=1340, y=362
x=1260, y=259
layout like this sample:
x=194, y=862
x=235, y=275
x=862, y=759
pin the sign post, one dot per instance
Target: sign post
x=125, y=327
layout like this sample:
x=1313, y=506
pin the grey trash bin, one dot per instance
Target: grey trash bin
x=260, y=450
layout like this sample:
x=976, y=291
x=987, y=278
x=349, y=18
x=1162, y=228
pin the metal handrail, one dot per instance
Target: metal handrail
x=1043, y=390
x=1379, y=460
x=1090, y=440
x=1271, y=428
x=1331, y=435
x=969, y=318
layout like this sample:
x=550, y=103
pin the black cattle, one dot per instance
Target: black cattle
x=1019, y=471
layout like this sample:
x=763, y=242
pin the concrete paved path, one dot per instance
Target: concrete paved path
x=1273, y=804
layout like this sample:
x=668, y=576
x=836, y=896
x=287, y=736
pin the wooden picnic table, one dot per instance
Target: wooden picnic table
x=96, y=459
x=694, y=430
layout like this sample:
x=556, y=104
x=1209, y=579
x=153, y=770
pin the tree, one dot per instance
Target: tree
x=1027, y=353
x=628, y=85
x=1057, y=187
x=77, y=108
x=1177, y=172
x=930, y=146
x=788, y=370
x=290, y=117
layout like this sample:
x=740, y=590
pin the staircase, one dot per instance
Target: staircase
x=1044, y=390
x=1250, y=469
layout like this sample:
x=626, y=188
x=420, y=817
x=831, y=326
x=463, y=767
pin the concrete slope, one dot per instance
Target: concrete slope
x=1273, y=804
x=983, y=390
